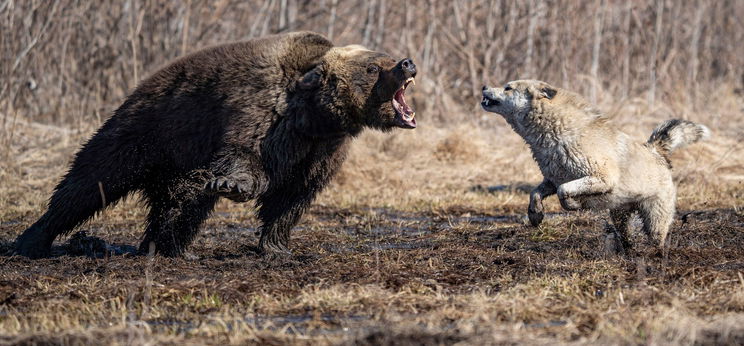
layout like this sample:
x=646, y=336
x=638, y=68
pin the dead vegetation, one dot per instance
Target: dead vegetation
x=422, y=237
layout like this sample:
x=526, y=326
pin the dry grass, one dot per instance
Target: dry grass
x=422, y=237
x=399, y=249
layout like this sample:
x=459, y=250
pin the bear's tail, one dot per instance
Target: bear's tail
x=102, y=173
x=676, y=133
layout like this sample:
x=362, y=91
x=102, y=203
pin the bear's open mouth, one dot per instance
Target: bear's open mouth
x=404, y=114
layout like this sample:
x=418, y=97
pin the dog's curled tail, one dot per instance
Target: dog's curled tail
x=676, y=133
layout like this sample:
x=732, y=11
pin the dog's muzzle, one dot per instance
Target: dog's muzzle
x=488, y=98
x=488, y=102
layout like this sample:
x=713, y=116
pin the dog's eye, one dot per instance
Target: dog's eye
x=373, y=69
x=507, y=88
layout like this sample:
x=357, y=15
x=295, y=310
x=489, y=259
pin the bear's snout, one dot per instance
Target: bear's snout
x=408, y=67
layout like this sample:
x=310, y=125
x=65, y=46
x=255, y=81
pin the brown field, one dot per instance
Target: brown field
x=422, y=238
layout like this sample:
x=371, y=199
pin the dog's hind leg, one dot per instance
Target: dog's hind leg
x=620, y=223
x=657, y=214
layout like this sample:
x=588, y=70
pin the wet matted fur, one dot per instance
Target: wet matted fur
x=268, y=119
x=588, y=162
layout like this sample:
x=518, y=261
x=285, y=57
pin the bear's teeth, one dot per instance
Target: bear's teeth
x=410, y=80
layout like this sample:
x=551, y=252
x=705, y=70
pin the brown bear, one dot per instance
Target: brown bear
x=268, y=119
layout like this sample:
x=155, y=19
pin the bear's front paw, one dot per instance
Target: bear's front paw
x=237, y=189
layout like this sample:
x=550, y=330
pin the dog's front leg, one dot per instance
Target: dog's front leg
x=586, y=186
x=535, y=210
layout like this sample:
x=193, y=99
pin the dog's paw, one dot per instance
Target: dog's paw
x=568, y=202
x=535, y=212
x=535, y=218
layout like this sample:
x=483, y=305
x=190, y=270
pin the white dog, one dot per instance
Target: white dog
x=588, y=162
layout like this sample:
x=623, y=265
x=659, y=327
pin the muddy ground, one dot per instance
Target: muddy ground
x=377, y=275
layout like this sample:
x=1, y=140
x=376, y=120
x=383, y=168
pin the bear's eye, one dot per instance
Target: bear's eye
x=507, y=88
x=373, y=69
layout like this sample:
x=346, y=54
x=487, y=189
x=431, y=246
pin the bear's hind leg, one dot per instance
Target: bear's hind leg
x=76, y=199
x=176, y=213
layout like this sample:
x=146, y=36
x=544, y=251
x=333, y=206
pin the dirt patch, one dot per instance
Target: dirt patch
x=354, y=273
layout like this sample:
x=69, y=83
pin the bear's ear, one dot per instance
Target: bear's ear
x=311, y=79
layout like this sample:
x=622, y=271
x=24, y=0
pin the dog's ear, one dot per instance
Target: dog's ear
x=544, y=90
x=548, y=92
x=311, y=79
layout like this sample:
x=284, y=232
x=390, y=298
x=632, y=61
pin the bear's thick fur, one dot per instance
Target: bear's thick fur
x=268, y=119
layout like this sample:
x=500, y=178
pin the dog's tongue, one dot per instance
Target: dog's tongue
x=405, y=116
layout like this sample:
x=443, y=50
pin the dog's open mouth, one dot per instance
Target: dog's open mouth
x=404, y=114
x=489, y=102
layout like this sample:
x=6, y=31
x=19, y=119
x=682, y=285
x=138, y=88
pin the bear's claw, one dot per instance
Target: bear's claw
x=238, y=189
